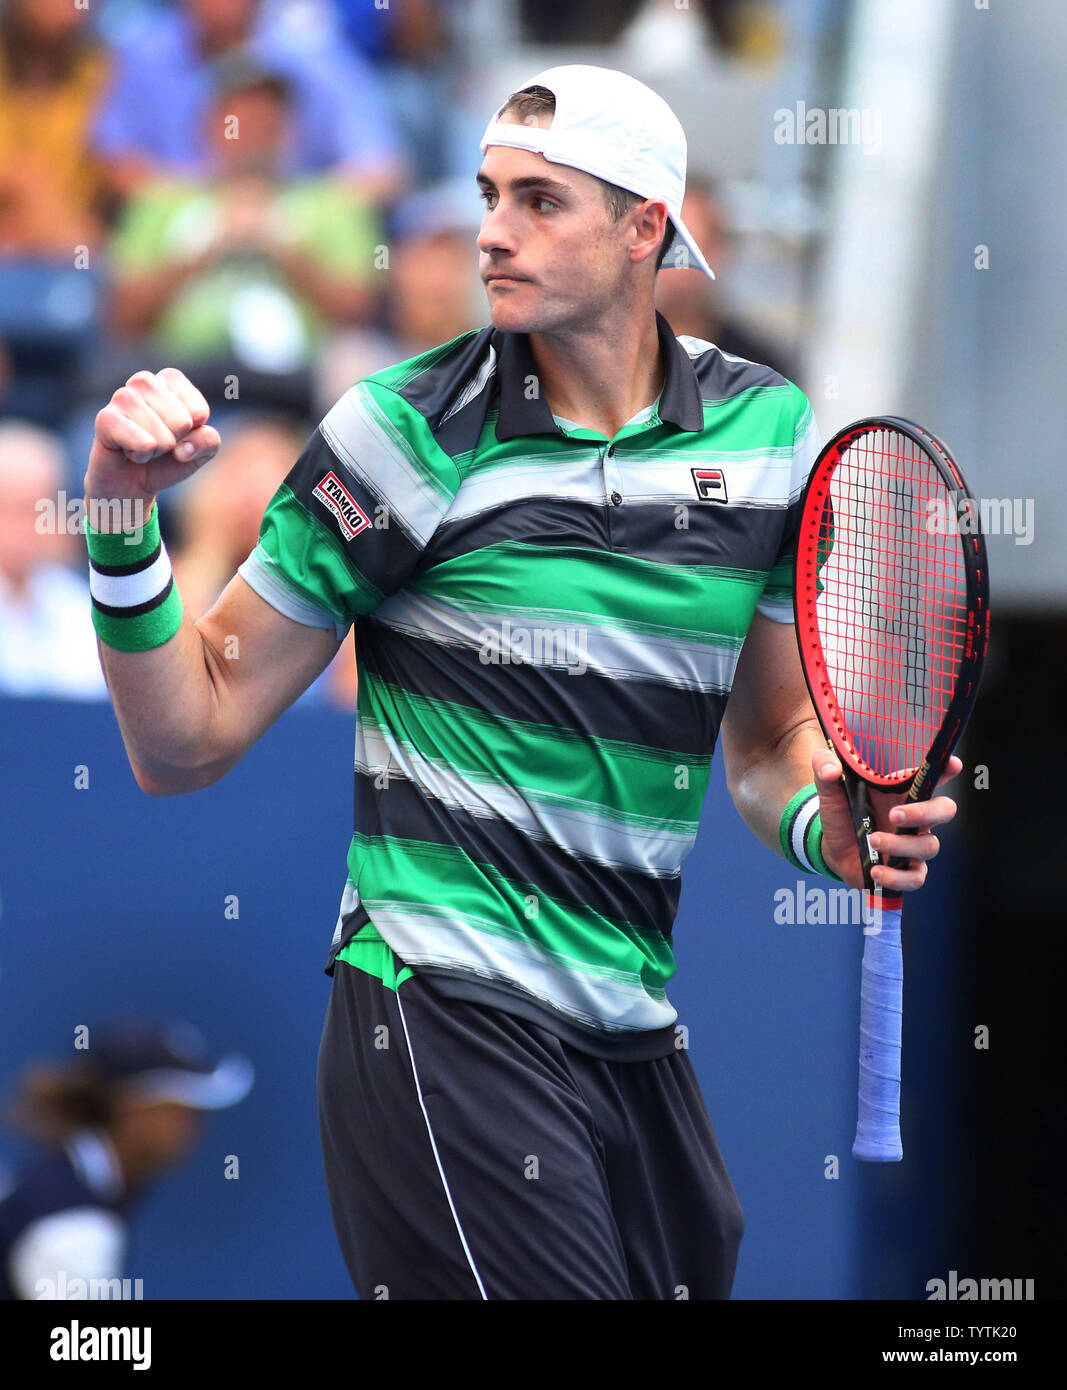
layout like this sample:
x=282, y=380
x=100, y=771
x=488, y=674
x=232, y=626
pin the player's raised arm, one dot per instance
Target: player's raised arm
x=190, y=697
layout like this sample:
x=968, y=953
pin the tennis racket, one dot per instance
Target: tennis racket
x=891, y=598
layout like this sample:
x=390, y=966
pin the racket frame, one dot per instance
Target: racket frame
x=878, y=1126
x=919, y=782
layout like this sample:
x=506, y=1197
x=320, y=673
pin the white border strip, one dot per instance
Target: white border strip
x=801, y=821
x=129, y=590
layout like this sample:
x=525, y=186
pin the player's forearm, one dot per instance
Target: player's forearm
x=762, y=785
x=166, y=697
x=168, y=707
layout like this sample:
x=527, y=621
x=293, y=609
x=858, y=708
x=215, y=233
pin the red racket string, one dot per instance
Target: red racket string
x=892, y=608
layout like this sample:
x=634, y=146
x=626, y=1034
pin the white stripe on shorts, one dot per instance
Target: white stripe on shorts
x=437, y=1157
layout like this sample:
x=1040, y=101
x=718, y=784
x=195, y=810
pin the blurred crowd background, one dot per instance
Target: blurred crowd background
x=278, y=197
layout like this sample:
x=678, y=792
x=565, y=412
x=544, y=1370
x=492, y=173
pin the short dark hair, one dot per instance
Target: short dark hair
x=529, y=105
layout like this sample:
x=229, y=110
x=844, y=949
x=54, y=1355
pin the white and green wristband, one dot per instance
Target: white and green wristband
x=800, y=833
x=135, y=604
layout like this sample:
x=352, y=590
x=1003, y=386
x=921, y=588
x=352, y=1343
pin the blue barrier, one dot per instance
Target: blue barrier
x=113, y=901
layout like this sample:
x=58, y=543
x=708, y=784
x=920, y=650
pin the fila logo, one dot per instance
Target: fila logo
x=336, y=498
x=710, y=484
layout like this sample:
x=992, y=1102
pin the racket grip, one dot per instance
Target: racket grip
x=881, y=1012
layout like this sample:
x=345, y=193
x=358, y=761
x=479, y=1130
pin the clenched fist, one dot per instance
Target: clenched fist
x=152, y=434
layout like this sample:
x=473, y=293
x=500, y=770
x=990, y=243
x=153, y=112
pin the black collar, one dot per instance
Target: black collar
x=523, y=410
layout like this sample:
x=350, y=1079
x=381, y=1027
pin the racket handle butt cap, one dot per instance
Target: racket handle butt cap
x=870, y=1151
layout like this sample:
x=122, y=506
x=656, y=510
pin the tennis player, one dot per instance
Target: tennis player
x=564, y=541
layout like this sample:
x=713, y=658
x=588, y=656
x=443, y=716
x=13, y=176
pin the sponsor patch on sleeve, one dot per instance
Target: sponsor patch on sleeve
x=336, y=498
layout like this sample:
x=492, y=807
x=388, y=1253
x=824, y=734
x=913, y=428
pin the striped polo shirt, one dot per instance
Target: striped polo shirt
x=547, y=624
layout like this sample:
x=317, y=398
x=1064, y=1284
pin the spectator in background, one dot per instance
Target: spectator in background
x=663, y=33
x=413, y=46
x=338, y=113
x=241, y=272
x=220, y=511
x=431, y=289
x=47, y=642
x=576, y=21
x=52, y=77
x=223, y=505
x=110, y=1124
x=692, y=304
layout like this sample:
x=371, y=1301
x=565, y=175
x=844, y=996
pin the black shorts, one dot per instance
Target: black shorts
x=473, y=1154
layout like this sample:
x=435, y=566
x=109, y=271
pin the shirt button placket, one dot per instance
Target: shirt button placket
x=612, y=477
x=612, y=490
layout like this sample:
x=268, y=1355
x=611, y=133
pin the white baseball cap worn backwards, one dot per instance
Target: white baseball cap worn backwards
x=608, y=124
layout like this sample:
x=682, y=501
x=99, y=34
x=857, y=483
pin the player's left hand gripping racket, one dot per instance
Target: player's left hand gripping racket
x=891, y=598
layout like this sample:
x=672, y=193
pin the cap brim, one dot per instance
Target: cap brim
x=229, y=1083
x=685, y=254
